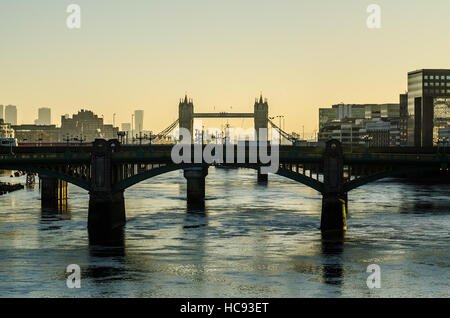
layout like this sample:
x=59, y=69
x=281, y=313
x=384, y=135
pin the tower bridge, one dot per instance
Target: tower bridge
x=106, y=169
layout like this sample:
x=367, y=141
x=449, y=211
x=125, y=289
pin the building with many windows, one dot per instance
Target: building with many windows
x=377, y=125
x=5, y=130
x=424, y=87
x=86, y=126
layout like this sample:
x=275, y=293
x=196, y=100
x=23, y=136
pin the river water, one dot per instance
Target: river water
x=250, y=241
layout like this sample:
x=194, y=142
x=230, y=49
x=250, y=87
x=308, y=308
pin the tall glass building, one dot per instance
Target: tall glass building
x=424, y=86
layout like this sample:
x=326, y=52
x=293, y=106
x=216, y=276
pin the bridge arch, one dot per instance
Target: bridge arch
x=126, y=183
x=351, y=185
x=69, y=179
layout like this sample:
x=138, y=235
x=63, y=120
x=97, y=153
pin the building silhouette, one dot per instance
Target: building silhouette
x=87, y=126
x=37, y=133
x=138, y=121
x=11, y=114
x=44, y=116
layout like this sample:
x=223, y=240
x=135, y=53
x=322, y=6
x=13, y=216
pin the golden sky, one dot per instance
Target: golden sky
x=140, y=54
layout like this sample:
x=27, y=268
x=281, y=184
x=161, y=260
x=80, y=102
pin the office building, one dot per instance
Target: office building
x=37, y=133
x=377, y=125
x=5, y=130
x=326, y=115
x=1, y=112
x=424, y=86
x=44, y=116
x=403, y=120
x=86, y=126
x=138, y=121
x=11, y=114
x=382, y=133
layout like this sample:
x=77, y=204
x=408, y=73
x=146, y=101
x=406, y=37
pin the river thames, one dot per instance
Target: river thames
x=250, y=241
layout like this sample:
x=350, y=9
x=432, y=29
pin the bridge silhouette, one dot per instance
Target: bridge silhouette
x=107, y=168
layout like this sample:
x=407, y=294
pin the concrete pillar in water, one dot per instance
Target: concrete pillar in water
x=54, y=193
x=196, y=185
x=262, y=178
x=106, y=208
x=106, y=214
x=334, y=200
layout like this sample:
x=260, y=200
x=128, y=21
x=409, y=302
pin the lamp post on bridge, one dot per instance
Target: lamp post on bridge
x=140, y=138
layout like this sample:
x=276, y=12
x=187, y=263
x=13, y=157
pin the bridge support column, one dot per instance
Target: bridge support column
x=106, y=207
x=262, y=178
x=106, y=214
x=196, y=186
x=334, y=201
x=54, y=193
x=333, y=212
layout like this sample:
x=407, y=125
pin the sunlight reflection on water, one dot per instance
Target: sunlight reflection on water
x=250, y=241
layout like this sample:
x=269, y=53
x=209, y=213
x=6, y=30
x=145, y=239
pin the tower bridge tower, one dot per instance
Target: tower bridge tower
x=186, y=114
x=261, y=115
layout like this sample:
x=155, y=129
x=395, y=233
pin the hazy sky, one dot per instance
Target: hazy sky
x=144, y=54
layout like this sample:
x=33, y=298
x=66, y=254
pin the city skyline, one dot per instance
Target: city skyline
x=210, y=151
x=225, y=57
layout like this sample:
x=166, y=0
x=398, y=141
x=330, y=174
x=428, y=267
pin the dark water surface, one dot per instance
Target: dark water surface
x=251, y=241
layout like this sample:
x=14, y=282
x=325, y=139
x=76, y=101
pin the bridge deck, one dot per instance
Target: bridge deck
x=223, y=115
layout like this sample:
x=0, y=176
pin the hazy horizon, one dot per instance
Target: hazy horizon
x=146, y=54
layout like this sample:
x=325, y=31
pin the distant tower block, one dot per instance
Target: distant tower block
x=261, y=112
x=186, y=114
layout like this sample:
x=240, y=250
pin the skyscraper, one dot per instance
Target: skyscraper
x=138, y=121
x=1, y=112
x=11, y=114
x=424, y=86
x=44, y=116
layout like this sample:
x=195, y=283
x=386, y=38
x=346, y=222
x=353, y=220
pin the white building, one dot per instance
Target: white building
x=5, y=130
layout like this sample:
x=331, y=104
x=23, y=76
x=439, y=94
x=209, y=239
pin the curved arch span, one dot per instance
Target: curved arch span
x=393, y=173
x=67, y=178
x=124, y=184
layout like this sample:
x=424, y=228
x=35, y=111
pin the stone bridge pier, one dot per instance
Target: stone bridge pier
x=334, y=200
x=106, y=208
x=196, y=186
x=54, y=193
